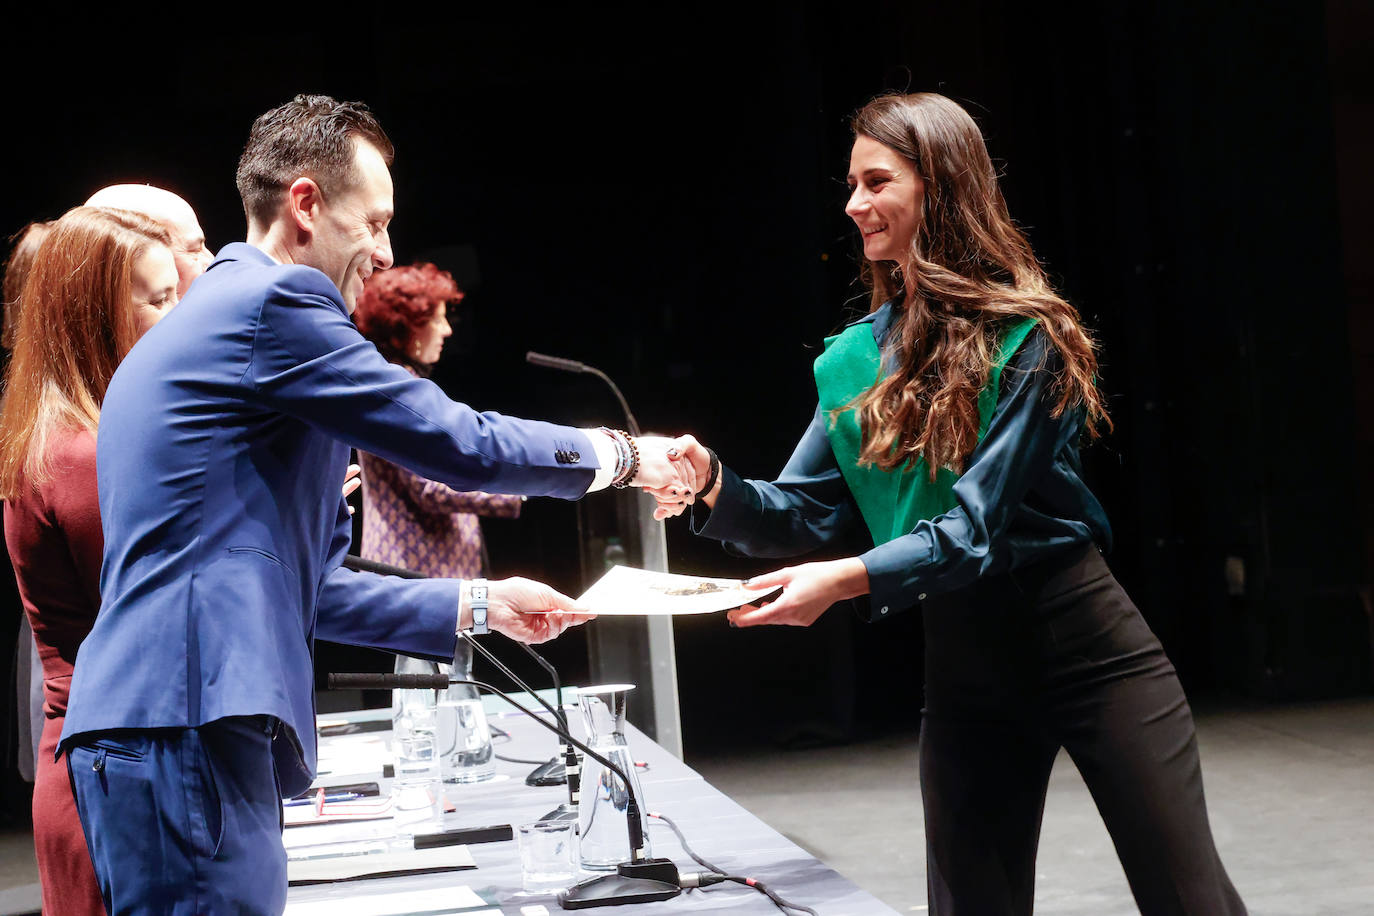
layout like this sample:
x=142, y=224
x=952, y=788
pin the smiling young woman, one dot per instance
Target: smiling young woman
x=947, y=427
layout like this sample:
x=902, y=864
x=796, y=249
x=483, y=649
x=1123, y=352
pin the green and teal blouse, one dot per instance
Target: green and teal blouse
x=1021, y=496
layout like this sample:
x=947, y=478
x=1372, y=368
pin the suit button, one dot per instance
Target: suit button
x=921, y=596
x=561, y=456
x=574, y=457
x=883, y=609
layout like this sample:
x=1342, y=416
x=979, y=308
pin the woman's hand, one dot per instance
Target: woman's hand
x=529, y=611
x=686, y=450
x=808, y=590
x=659, y=473
x=352, y=481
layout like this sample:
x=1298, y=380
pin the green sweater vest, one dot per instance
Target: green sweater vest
x=892, y=502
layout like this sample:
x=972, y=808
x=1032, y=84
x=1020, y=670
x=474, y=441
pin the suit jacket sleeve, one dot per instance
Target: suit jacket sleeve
x=413, y=616
x=310, y=362
x=434, y=496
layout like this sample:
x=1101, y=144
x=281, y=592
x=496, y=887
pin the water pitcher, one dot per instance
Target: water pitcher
x=604, y=840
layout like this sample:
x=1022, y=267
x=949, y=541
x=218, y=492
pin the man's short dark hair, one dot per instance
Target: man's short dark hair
x=310, y=136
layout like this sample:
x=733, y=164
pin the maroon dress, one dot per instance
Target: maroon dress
x=55, y=544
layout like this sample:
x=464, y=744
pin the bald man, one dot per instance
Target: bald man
x=188, y=239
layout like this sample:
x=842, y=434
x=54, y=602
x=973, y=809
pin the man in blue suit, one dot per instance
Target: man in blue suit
x=223, y=442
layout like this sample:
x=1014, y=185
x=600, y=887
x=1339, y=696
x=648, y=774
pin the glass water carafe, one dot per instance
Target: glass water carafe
x=464, y=737
x=602, y=819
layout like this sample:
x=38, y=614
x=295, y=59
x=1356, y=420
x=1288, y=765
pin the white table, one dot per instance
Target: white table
x=717, y=828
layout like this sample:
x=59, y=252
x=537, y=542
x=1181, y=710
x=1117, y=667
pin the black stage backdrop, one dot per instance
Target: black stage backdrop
x=662, y=198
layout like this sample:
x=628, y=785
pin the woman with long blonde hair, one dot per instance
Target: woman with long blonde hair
x=98, y=281
x=947, y=428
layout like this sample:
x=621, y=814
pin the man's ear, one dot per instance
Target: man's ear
x=304, y=201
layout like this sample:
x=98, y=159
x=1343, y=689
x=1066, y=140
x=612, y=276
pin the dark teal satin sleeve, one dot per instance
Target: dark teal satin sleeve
x=1021, y=497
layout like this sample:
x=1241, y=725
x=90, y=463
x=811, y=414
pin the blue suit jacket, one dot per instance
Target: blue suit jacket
x=222, y=447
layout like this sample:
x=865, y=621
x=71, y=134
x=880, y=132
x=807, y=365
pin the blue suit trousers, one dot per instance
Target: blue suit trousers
x=184, y=820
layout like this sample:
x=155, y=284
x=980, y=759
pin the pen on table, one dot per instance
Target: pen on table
x=328, y=799
x=361, y=788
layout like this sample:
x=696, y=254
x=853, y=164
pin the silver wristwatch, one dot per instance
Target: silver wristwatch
x=477, y=600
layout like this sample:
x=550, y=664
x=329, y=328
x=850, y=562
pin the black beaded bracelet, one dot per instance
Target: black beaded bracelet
x=711, y=478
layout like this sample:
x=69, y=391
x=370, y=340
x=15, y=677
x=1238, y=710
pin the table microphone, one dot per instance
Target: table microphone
x=640, y=880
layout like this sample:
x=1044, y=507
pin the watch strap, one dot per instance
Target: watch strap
x=478, y=593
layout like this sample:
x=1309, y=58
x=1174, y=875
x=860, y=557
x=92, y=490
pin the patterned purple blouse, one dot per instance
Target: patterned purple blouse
x=424, y=525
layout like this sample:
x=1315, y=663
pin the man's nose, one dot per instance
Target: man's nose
x=382, y=257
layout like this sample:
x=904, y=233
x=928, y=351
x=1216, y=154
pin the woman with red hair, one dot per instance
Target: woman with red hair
x=407, y=520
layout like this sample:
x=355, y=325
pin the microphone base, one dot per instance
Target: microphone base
x=564, y=812
x=552, y=773
x=625, y=886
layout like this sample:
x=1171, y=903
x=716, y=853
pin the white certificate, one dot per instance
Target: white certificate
x=625, y=590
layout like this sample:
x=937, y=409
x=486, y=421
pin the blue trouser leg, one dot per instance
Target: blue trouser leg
x=183, y=821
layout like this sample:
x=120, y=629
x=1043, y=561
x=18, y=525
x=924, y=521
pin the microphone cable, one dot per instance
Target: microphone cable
x=720, y=874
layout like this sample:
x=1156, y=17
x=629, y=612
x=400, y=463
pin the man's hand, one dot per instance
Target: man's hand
x=529, y=611
x=352, y=481
x=808, y=591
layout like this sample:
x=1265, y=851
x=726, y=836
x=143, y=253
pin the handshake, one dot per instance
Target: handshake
x=676, y=473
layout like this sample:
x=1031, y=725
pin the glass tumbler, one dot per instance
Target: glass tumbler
x=548, y=855
x=416, y=792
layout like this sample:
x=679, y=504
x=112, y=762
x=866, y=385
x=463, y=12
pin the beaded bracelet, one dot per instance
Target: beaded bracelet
x=625, y=481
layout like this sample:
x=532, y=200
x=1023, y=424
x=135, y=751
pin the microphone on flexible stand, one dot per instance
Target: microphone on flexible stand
x=553, y=772
x=640, y=880
x=573, y=366
x=563, y=767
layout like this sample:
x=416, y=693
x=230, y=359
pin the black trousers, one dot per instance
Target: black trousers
x=1017, y=666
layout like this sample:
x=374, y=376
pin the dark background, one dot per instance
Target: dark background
x=660, y=195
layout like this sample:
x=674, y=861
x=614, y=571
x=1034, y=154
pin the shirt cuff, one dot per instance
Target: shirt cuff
x=462, y=592
x=893, y=572
x=733, y=513
x=607, y=459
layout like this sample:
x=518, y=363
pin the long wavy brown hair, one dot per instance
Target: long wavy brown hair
x=76, y=324
x=967, y=272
